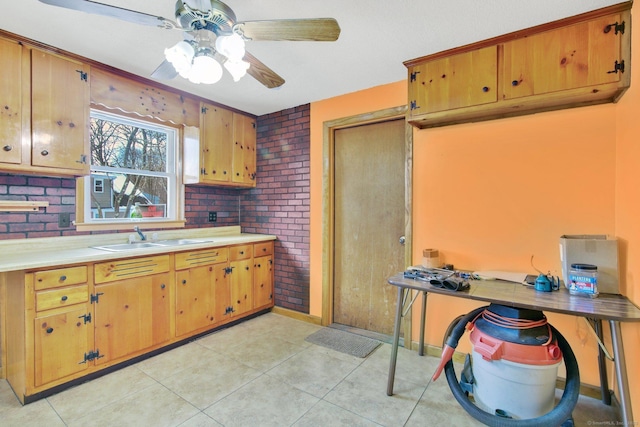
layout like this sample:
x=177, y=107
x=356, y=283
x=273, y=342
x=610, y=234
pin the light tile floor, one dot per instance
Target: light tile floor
x=261, y=373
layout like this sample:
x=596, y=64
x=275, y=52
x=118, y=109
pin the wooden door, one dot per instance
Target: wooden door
x=222, y=292
x=11, y=102
x=369, y=210
x=244, y=150
x=61, y=341
x=462, y=80
x=217, y=135
x=131, y=315
x=194, y=299
x=572, y=57
x=241, y=286
x=262, y=279
x=59, y=112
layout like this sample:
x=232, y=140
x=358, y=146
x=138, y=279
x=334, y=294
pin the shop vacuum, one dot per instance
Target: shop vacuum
x=512, y=371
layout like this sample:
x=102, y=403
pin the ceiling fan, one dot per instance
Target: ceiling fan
x=214, y=37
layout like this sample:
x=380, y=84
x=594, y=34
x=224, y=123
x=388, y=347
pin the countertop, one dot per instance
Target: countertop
x=28, y=254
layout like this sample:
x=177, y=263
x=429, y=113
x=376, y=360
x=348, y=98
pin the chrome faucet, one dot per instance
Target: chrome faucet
x=137, y=230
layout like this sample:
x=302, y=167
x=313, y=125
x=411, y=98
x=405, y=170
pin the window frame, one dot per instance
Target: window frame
x=175, y=185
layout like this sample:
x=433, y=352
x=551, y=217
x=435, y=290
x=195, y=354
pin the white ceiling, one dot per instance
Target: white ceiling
x=377, y=36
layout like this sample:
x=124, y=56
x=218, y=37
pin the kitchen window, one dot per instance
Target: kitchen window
x=134, y=174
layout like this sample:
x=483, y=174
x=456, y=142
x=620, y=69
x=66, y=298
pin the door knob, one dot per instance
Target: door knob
x=402, y=240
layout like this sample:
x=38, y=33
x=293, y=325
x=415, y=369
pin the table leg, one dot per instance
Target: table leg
x=422, y=321
x=396, y=338
x=621, y=373
x=602, y=367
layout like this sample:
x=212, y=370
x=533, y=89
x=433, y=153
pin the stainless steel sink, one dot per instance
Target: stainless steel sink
x=179, y=242
x=141, y=245
x=127, y=246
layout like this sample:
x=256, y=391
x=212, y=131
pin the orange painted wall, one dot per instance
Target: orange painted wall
x=489, y=195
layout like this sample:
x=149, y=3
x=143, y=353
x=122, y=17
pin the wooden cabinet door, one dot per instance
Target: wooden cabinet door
x=216, y=136
x=244, y=150
x=241, y=286
x=60, y=343
x=572, y=57
x=222, y=292
x=131, y=315
x=11, y=102
x=59, y=112
x=194, y=299
x=263, y=281
x=462, y=80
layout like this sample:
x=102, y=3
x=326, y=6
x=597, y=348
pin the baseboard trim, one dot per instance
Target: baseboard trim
x=297, y=315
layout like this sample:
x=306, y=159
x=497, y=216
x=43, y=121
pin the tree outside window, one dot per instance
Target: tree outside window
x=135, y=161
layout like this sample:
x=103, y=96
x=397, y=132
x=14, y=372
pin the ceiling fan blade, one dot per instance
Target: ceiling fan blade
x=318, y=29
x=262, y=73
x=165, y=71
x=113, y=11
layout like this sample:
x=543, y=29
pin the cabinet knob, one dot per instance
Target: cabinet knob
x=44, y=152
x=163, y=286
x=49, y=330
x=63, y=278
x=184, y=281
x=7, y=148
x=241, y=252
x=485, y=89
x=514, y=83
x=64, y=298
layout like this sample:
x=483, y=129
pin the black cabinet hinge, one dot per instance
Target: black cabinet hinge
x=86, y=318
x=94, y=298
x=413, y=105
x=414, y=76
x=229, y=310
x=228, y=270
x=618, y=28
x=83, y=76
x=92, y=355
x=617, y=66
x=203, y=110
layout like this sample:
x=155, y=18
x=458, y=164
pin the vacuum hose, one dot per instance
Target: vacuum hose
x=559, y=414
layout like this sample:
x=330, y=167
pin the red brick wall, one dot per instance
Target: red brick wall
x=280, y=203
x=61, y=195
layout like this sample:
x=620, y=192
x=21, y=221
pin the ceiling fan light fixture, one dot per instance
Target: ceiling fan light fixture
x=237, y=69
x=205, y=69
x=180, y=56
x=231, y=46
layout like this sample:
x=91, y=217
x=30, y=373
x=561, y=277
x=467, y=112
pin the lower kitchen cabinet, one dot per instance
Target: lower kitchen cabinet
x=263, y=274
x=131, y=315
x=65, y=323
x=198, y=305
x=61, y=340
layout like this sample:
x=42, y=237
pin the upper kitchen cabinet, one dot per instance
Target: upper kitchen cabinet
x=59, y=113
x=11, y=102
x=226, y=153
x=577, y=61
x=243, y=169
x=45, y=112
x=456, y=81
x=584, y=55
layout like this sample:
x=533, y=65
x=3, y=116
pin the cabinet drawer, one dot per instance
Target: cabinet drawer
x=202, y=257
x=128, y=268
x=55, y=298
x=264, y=248
x=60, y=277
x=239, y=252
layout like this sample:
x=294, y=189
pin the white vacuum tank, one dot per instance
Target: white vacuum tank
x=515, y=363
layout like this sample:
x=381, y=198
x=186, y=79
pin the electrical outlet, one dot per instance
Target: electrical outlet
x=213, y=216
x=64, y=220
